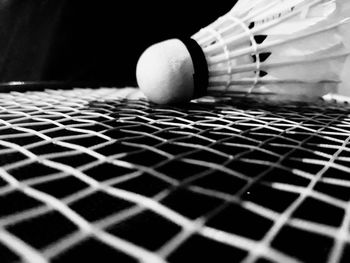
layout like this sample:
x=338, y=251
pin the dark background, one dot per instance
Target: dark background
x=91, y=41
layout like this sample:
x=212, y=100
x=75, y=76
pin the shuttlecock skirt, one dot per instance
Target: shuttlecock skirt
x=278, y=49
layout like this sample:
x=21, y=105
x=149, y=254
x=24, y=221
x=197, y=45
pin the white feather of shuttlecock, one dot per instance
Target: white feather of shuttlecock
x=283, y=47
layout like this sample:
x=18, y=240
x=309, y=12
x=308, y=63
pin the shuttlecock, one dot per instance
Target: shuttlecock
x=279, y=48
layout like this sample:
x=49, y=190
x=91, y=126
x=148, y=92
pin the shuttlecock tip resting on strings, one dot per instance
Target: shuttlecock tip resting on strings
x=165, y=72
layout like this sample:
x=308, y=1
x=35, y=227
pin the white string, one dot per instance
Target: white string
x=255, y=47
x=226, y=50
x=220, y=39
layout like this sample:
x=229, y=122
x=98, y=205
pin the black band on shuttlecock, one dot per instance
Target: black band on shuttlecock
x=200, y=66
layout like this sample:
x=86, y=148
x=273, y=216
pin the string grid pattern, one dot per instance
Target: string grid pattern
x=86, y=173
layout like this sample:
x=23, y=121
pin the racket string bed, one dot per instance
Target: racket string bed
x=90, y=173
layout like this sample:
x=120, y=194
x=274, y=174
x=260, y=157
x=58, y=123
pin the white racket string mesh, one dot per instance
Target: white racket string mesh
x=87, y=173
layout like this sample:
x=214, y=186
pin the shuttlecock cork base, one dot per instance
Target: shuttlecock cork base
x=173, y=71
x=293, y=49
